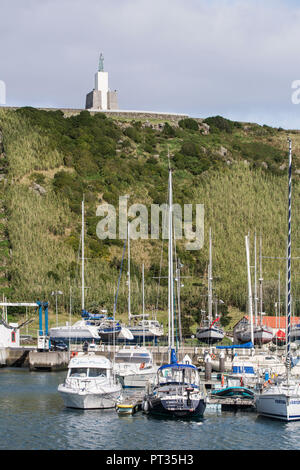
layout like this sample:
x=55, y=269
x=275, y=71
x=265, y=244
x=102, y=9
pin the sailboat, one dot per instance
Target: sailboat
x=176, y=390
x=93, y=327
x=134, y=365
x=281, y=400
x=262, y=334
x=210, y=332
x=148, y=330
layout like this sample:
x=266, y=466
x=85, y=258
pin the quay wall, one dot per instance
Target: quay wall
x=58, y=360
x=48, y=360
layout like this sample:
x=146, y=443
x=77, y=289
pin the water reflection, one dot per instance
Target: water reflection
x=32, y=416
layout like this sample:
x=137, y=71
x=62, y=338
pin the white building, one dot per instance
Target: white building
x=9, y=337
x=101, y=97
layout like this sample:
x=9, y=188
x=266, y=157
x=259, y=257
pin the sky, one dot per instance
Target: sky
x=235, y=58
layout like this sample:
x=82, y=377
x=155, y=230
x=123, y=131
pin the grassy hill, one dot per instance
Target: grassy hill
x=237, y=170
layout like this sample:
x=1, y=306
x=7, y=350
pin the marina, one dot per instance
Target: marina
x=149, y=261
x=30, y=400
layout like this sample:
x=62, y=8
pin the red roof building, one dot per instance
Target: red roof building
x=272, y=322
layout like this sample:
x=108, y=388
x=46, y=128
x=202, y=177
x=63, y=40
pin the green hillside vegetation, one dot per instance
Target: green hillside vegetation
x=237, y=170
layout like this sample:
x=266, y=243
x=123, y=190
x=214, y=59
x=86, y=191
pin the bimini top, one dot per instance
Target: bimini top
x=178, y=366
x=237, y=346
x=92, y=316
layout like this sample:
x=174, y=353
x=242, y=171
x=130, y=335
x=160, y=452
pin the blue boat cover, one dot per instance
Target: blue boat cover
x=237, y=346
x=173, y=356
x=177, y=366
x=92, y=316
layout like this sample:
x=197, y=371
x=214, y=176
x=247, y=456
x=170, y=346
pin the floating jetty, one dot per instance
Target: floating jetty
x=232, y=403
x=130, y=404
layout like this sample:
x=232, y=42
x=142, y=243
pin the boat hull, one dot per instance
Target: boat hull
x=209, y=335
x=87, y=400
x=135, y=380
x=168, y=406
x=260, y=336
x=295, y=335
x=279, y=406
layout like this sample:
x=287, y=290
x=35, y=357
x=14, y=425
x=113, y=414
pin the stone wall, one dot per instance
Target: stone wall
x=112, y=100
x=93, y=100
x=138, y=115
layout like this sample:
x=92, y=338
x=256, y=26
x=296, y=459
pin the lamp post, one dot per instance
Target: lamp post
x=56, y=293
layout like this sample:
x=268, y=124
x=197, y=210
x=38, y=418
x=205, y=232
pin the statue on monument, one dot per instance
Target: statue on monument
x=101, y=66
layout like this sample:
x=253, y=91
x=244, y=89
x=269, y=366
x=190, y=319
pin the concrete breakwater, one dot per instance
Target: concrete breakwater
x=34, y=360
x=29, y=357
x=58, y=360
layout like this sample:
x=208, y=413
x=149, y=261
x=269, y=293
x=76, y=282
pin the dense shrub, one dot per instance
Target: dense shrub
x=188, y=123
x=168, y=131
x=133, y=134
x=218, y=123
x=262, y=152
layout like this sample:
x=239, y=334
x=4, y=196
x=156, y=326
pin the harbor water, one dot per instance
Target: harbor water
x=33, y=417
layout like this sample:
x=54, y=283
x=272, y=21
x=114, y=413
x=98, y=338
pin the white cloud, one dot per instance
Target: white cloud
x=235, y=58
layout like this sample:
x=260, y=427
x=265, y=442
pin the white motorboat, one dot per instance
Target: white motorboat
x=281, y=401
x=90, y=383
x=134, y=366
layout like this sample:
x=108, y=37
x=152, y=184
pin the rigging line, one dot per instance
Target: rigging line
x=116, y=298
x=161, y=256
x=280, y=257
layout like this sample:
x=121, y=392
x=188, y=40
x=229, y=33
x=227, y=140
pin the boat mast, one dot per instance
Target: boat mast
x=178, y=300
x=128, y=275
x=170, y=257
x=260, y=280
x=249, y=287
x=288, y=358
x=82, y=254
x=143, y=291
x=210, y=300
x=255, y=282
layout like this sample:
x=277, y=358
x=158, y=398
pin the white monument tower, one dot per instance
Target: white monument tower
x=101, y=98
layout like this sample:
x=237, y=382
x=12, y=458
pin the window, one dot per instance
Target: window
x=97, y=372
x=78, y=372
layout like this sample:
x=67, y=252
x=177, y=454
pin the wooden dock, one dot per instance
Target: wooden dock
x=130, y=404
